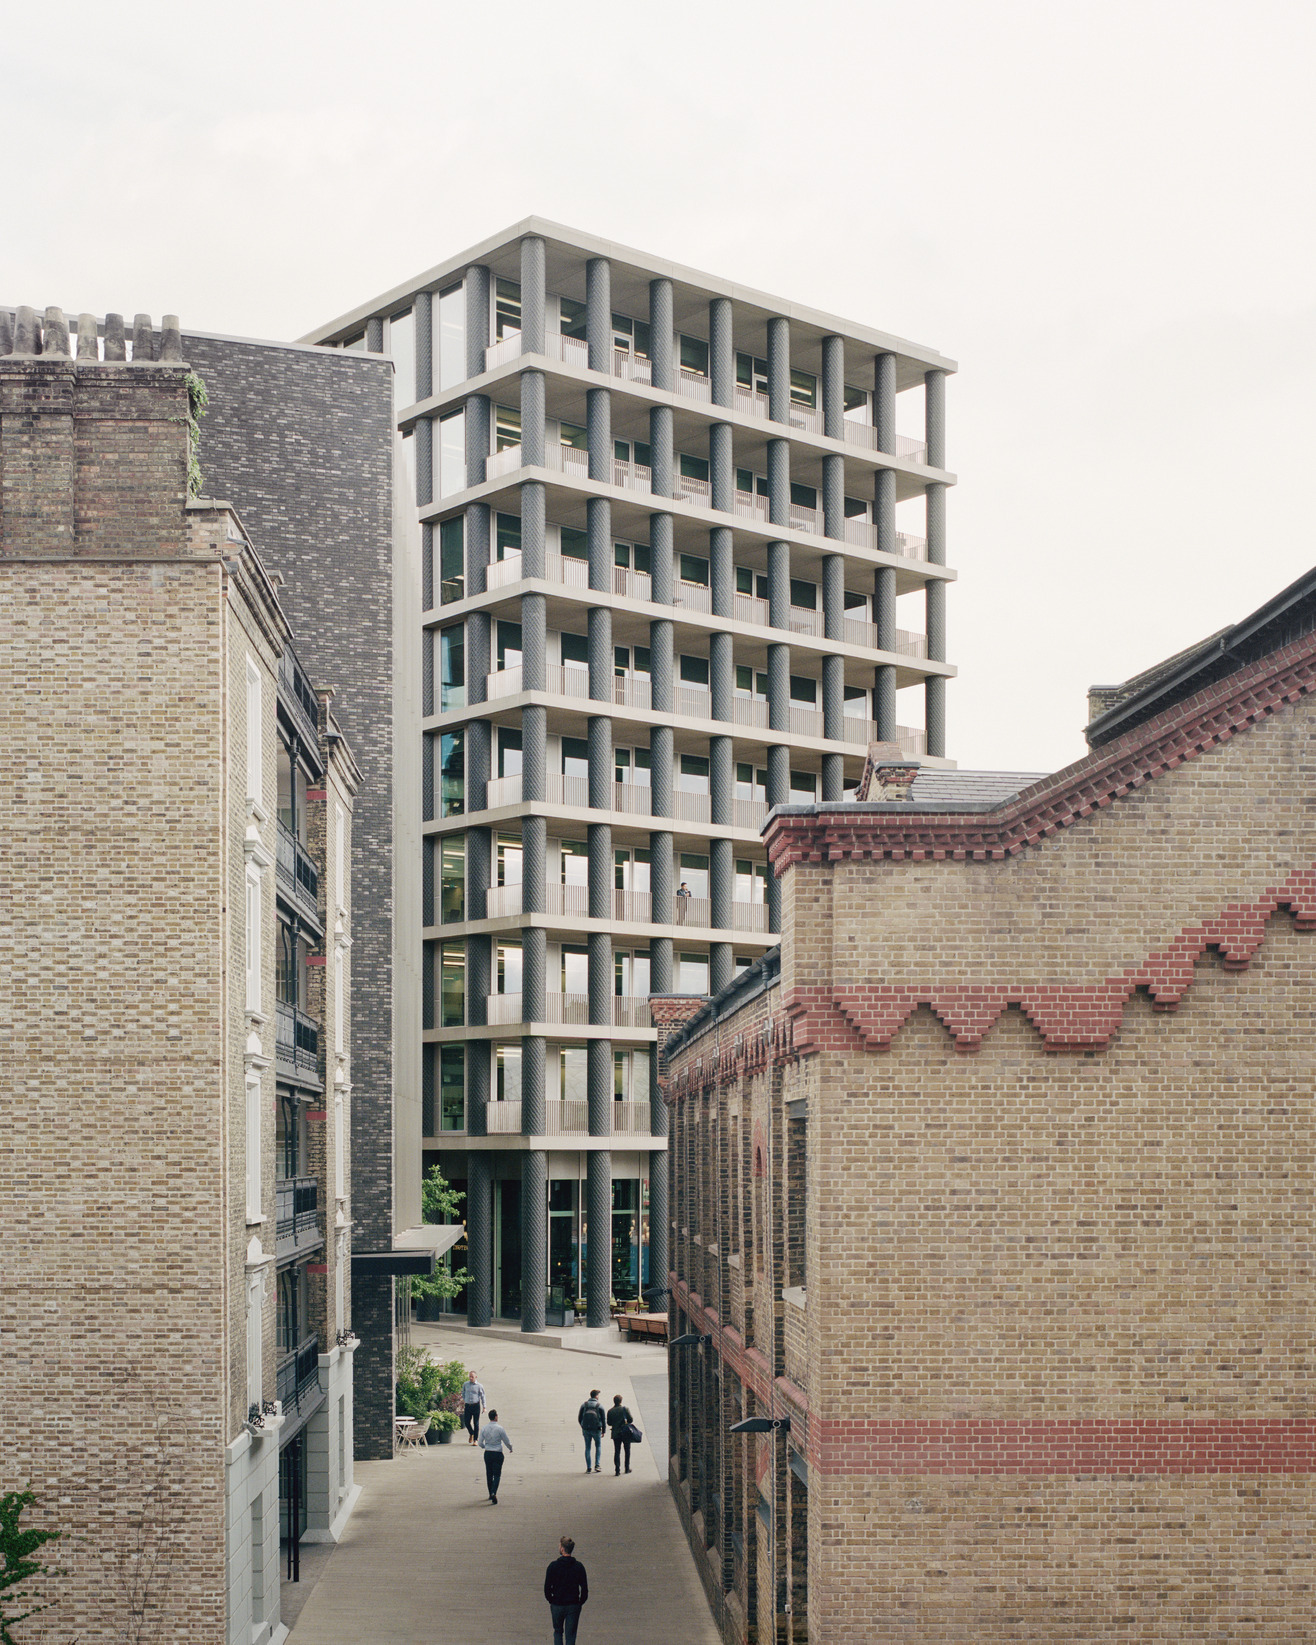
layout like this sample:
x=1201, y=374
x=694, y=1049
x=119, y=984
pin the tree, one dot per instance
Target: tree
x=17, y=1547
x=439, y=1203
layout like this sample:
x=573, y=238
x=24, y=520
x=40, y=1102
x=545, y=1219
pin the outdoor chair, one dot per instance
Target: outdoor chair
x=414, y=1435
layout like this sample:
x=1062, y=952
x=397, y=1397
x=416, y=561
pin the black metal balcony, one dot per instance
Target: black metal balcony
x=296, y=1041
x=298, y=697
x=298, y=1376
x=297, y=873
x=297, y=1207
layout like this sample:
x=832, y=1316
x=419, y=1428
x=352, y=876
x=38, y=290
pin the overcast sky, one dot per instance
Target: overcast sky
x=1102, y=211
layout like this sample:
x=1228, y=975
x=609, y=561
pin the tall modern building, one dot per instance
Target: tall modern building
x=665, y=562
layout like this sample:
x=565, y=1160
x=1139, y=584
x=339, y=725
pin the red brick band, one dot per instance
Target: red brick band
x=1066, y=1446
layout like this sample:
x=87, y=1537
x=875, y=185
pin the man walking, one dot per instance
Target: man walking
x=473, y=1403
x=493, y=1436
x=566, y=1590
x=591, y=1419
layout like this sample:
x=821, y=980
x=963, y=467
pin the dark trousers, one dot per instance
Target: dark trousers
x=566, y=1619
x=618, y=1440
x=471, y=1420
x=493, y=1470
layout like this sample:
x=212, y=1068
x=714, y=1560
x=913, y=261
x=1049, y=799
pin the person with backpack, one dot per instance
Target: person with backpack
x=566, y=1590
x=620, y=1426
x=590, y=1418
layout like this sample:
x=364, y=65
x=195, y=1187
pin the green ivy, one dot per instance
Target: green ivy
x=197, y=402
x=16, y=1563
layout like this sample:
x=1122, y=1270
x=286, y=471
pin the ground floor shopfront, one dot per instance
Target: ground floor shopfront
x=567, y=1251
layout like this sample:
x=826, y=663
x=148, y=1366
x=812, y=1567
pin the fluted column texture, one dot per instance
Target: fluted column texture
x=662, y=335
x=598, y=313
x=779, y=369
x=534, y=845
x=534, y=294
x=424, y=447
x=934, y=713
x=598, y=1270
x=479, y=1238
x=934, y=394
x=534, y=1238
x=884, y=402
x=477, y=318
x=833, y=387
x=722, y=467
x=532, y=421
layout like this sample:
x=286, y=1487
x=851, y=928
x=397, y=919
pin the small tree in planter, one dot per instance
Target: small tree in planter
x=439, y=1203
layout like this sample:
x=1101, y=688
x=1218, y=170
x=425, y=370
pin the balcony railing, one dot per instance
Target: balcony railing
x=567, y=1118
x=297, y=1224
x=297, y=1380
x=633, y=907
x=628, y=1011
x=299, y=696
x=296, y=1040
x=296, y=869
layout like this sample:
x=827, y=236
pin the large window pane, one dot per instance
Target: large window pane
x=402, y=346
x=452, y=1087
x=452, y=769
x=452, y=560
x=692, y=974
x=507, y=309
x=452, y=336
x=452, y=453
x=507, y=1081
x=452, y=878
x=694, y=355
x=452, y=986
x=452, y=666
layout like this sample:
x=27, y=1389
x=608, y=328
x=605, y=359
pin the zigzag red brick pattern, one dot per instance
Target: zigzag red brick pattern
x=1069, y=1016
x=1148, y=751
x=1067, y=1446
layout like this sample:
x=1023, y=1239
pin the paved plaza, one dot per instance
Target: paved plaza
x=427, y=1560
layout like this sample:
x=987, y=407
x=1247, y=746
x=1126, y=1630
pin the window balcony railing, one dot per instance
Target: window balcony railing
x=299, y=697
x=631, y=907
x=298, y=1376
x=297, y=1219
x=567, y=1118
x=296, y=869
x=296, y=1040
x=569, y=1009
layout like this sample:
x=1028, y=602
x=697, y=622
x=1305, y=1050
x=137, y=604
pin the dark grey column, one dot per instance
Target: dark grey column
x=534, y=753
x=534, y=1229
x=661, y=666
x=477, y=564
x=721, y=353
x=833, y=387
x=779, y=370
x=833, y=602
x=477, y=1073
x=779, y=785
x=722, y=467
x=598, y=1276
x=598, y=422
x=934, y=689
x=479, y=421
x=534, y=298
x=721, y=675
x=662, y=456
x=533, y=642
x=598, y=313
x=721, y=893
x=722, y=576
x=424, y=444
x=477, y=318
x=479, y=1238
x=423, y=309
x=533, y=529
x=661, y=880
x=934, y=395
x=533, y=453
x=884, y=599
x=884, y=402
x=721, y=781
x=936, y=526
x=659, y=1200
x=660, y=968
x=600, y=786
x=779, y=688
x=374, y=336
x=662, y=335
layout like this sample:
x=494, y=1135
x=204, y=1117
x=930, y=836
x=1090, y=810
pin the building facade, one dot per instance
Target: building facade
x=668, y=531
x=997, y=1225
x=176, y=1372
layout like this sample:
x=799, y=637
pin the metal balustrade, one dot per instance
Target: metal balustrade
x=297, y=1215
x=297, y=1376
x=569, y=1010
x=565, y=1118
x=499, y=353
x=296, y=1039
x=295, y=868
x=627, y=907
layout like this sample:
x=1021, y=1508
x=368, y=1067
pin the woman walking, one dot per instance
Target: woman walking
x=619, y=1426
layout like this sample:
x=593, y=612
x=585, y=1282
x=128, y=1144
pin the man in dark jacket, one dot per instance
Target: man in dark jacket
x=566, y=1590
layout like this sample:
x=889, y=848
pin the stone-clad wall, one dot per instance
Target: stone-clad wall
x=301, y=442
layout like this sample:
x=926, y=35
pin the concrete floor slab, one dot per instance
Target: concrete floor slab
x=426, y=1560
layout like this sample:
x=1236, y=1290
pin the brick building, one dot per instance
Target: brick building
x=175, y=1353
x=1003, y=1217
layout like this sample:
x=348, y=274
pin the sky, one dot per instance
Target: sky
x=1103, y=212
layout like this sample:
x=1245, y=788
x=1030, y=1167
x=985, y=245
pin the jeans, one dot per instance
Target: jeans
x=493, y=1470
x=594, y=1440
x=471, y=1420
x=618, y=1440
x=566, y=1619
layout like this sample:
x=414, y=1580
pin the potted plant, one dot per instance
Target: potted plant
x=443, y=1425
x=419, y=1380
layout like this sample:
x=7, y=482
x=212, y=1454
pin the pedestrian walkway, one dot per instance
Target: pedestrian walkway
x=427, y=1560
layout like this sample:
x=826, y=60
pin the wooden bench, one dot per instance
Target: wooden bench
x=644, y=1325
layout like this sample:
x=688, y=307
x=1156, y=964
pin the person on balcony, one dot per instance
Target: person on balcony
x=683, y=897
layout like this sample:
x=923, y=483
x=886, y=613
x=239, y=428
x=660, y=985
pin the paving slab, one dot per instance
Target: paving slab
x=427, y=1560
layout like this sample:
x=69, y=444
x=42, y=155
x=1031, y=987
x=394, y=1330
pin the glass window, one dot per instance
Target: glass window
x=694, y=570
x=632, y=972
x=575, y=969
x=571, y=434
x=452, y=985
x=693, y=871
x=508, y=536
x=804, y=595
x=452, y=768
x=452, y=560
x=507, y=427
x=357, y=344
x=692, y=974
x=750, y=683
x=631, y=870
x=575, y=862
x=803, y=689
x=563, y=1243
x=575, y=544
x=694, y=355
x=804, y=496
x=509, y=968
x=574, y=1086
x=692, y=777
x=509, y=856
x=694, y=670
x=507, y=309
x=452, y=666
x=804, y=787
x=642, y=660
x=751, y=375
x=751, y=882
x=804, y=390
x=575, y=650
x=509, y=751
x=507, y=1079
x=856, y=403
x=856, y=508
x=452, y=453
x=452, y=1087
x=745, y=479
x=575, y=757
x=573, y=317
x=452, y=878
x=626, y=1240
x=452, y=336
x=402, y=346
x=856, y=700
x=508, y=647
x=855, y=601
x=693, y=468
x=751, y=781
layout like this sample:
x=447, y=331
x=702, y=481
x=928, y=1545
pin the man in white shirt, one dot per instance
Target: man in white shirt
x=493, y=1436
x=473, y=1402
